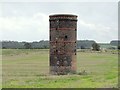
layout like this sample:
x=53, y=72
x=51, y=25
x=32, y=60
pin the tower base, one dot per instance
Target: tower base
x=61, y=70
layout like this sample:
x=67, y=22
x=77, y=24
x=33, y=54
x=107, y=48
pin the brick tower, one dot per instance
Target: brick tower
x=63, y=32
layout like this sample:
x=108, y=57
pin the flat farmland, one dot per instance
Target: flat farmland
x=29, y=68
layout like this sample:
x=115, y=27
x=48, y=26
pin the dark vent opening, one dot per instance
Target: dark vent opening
x=66, y=36
x=56, y=51
x=50, y=38
x=74, y=50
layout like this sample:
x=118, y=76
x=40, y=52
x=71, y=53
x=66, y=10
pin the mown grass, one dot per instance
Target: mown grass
x=24, y=68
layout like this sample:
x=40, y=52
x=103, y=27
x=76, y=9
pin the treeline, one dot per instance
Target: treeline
x=115, y=43
x=44, y=44
x=25, y=45
x=83, y=44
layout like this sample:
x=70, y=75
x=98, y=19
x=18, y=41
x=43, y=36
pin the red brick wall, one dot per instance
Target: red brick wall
x=63, y=29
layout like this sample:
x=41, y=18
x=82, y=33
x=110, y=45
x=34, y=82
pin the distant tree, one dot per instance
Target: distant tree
x=119, y=47
x=82, y=47
x=3, y=47
x=96, y=47
x=27, y=46
x=115, y=42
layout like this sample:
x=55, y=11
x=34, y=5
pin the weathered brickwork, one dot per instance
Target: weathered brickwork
x=63, y=31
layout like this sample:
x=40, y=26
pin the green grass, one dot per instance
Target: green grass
x=24, y=68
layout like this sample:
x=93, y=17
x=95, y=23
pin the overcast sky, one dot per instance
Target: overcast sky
x=29, y=21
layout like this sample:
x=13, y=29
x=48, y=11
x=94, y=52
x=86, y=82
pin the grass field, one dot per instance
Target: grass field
x=30, y=69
